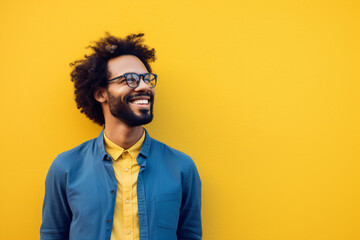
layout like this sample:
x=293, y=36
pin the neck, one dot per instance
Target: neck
x=123, y=135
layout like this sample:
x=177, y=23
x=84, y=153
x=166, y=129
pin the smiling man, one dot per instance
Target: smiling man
x=122, y=184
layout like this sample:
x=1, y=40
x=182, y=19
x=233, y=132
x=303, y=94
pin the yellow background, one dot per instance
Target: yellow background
x=264, y=95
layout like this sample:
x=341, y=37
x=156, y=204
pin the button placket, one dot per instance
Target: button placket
x=127, y=196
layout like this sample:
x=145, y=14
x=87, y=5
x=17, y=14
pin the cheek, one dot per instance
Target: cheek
x=119, y=92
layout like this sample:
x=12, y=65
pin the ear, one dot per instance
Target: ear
x=100, y=95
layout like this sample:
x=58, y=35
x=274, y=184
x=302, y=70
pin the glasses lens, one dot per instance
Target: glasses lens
x=132, y=80
x=150, y=80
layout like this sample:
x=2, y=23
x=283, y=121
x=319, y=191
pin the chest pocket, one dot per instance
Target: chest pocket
x=168, y=209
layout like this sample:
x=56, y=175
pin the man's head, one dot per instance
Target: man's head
x=131, y=104
x=113, y=57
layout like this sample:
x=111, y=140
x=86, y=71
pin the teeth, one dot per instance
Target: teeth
x=141, y=101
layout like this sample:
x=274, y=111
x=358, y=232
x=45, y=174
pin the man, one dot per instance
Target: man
x=122, y=184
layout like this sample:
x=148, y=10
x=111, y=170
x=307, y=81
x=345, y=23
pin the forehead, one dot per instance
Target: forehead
x=125, y=63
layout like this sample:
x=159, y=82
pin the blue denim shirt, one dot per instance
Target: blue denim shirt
x=80, y=191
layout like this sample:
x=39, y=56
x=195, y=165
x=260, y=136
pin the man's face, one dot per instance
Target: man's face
x=133, y=106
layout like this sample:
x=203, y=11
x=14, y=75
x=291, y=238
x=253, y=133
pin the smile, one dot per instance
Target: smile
x=141, y=102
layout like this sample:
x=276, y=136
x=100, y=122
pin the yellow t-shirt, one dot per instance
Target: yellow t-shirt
x=126, y=169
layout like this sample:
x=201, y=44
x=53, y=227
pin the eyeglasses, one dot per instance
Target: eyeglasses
x=133, y=79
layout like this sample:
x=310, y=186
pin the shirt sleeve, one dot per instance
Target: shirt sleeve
x=189, y=226
x=56, y=213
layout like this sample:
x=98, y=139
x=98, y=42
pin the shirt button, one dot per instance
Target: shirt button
x=127, y=201
x=108, y=221
x=112, y=191
x=128, y=232
x=126, y=169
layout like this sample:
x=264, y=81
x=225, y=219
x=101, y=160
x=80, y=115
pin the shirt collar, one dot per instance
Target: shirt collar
x=115, y=150
x=144, y=151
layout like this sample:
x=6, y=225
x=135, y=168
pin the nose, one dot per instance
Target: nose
x=142, y=86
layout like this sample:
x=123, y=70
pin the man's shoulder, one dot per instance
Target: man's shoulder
x=168, y=156
x=79, y=149
x=75, y=155
x=171, y=154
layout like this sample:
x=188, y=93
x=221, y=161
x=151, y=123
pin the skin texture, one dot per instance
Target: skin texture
x=115, y=103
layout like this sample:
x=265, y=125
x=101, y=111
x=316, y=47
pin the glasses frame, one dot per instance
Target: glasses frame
x=139, y=75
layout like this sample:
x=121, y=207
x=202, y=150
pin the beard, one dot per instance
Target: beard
x=120, y=108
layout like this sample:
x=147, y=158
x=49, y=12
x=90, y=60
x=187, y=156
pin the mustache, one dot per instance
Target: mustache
x=148, y=94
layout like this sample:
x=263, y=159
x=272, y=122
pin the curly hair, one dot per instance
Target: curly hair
x=91, y=72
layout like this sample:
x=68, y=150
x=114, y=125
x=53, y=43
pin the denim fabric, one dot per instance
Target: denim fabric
x=80, y=191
